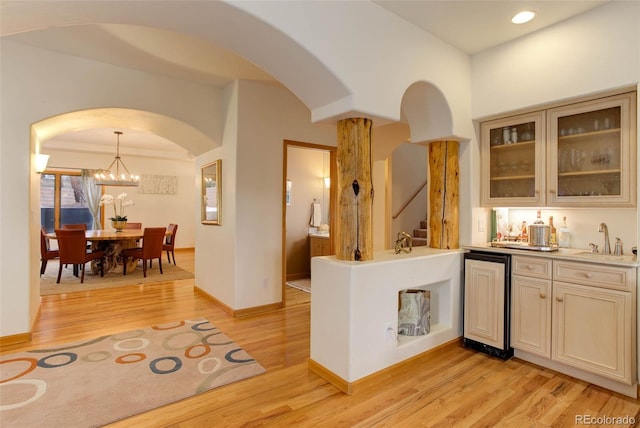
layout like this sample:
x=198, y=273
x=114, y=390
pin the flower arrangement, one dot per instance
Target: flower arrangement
x=119, y=204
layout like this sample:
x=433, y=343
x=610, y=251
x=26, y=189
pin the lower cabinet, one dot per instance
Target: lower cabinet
x=484, y=302
x=319, y=246
x=531, y=315
x=592, y=330
x=578, y=314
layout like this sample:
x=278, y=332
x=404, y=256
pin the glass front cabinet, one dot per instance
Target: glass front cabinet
x=582, y=154
x=513, y=161
x=592, y=153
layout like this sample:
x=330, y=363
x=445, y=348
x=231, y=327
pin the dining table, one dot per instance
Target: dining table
x=112, y=242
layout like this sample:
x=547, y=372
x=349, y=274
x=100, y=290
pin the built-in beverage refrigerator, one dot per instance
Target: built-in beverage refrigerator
x=487, y=296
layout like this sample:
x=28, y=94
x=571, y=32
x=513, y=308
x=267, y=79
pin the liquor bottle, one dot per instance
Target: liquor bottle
x=539, y=218
x=524, y=236
x=553, y=239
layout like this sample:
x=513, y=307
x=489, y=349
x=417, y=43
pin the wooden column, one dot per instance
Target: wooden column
x=443, y=195
x=354, y=228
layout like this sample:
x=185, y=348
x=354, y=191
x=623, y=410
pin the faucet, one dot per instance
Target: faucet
x=607, y=245
x=404, y=240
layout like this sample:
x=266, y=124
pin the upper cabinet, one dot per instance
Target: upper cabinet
x=513, y=160
x=582, y=154
x=592, y=153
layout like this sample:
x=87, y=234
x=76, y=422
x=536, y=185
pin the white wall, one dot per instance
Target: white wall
x=268, y=115
x=409, y=171
x=39, y=84
x=215, y=255
x=153, y=210
x=589, y=53
x=593, y=52
x=239, y=262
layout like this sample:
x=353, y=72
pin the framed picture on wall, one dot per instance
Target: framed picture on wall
x=212, y=192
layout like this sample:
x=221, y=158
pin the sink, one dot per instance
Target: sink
x=598, y=256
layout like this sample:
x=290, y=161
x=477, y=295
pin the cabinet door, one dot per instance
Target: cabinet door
x=315, y=246
x=592, y=330
x=592, y=153
x=531, y=315
x=484, y=302
x=512, y=151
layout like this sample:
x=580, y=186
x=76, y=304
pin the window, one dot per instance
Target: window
x=62, y=201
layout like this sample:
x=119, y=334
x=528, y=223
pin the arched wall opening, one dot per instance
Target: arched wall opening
x=169, y=128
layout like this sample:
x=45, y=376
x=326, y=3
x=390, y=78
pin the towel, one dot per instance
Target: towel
x=316, y=215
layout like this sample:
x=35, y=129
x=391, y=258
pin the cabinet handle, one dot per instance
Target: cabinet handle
x=552, y=191
x=543, y=296
x=559, y=298
x=588, y=275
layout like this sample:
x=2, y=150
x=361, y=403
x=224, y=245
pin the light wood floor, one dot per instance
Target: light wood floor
x=454, y=387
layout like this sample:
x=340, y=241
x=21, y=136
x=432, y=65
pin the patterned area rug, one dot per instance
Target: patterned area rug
x=69, y=283
x=301, y=284
x=109, y=378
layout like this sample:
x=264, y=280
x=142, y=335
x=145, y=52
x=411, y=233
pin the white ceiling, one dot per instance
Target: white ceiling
x=471, y=25
x=477, y=25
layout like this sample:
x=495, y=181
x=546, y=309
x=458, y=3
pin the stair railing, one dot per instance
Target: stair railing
x=406, y=204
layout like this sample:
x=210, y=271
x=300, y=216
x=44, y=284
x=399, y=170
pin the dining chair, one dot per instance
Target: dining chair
x=170, y=242
x=46, y=253
x=74, y=226
x=72, y=244
x=152, y=239
x=133, y=225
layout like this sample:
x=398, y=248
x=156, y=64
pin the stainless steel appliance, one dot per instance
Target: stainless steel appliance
x=540, y=235
x=487, y=296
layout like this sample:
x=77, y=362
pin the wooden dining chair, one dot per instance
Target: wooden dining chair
x=74, y=226
x=46, y=253
x=133, y=225
x=72, y=244
x=170, y=242
x=152, y=239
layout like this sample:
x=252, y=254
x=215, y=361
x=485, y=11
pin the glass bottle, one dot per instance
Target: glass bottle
x=524, y=236
x=564, y=236
x=539, y=218
x=553, y=238
x=506, y=135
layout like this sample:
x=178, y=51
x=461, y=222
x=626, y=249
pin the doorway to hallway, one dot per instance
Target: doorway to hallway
x=308, y=207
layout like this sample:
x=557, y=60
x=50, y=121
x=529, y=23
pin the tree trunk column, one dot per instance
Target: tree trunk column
x=354, y=226
x=443, y=195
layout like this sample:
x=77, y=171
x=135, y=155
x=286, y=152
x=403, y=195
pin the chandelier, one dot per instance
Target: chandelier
x=121, y=176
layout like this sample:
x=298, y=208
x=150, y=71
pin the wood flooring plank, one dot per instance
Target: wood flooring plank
x=454, y=387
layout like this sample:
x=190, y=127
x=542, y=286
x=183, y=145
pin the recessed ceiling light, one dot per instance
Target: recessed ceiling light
x=522, y=17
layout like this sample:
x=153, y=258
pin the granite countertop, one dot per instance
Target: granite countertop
x=573, y=254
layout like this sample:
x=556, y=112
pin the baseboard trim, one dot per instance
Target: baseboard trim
x=330, y=377
x=350, y=388
x=299, y=275
x=239, y=313
x=15, y=339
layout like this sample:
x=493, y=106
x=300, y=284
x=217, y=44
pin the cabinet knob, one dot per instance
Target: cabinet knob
x=529, y=267
x=559, y=298
x=552, y=191
x=587, y=275
x=543, y=296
